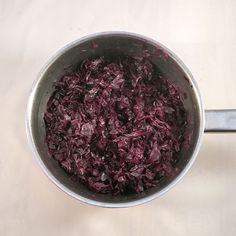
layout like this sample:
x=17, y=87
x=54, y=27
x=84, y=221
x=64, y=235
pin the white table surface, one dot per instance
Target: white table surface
x=203, y=35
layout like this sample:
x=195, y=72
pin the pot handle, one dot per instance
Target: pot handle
x=220, y=121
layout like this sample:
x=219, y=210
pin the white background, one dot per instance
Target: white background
x=202, y=33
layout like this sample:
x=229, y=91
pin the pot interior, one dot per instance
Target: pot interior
x=113, y=44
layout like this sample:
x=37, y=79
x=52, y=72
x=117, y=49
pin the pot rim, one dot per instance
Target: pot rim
x=28, y=121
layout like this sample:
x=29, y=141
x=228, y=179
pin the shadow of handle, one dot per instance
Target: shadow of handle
x=220, y=121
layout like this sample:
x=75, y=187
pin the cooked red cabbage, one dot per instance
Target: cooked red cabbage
x=116, y=125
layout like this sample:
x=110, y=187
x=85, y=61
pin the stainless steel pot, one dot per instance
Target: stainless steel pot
x=127, y=43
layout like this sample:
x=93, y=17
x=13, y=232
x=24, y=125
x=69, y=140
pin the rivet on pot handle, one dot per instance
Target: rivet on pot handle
x=220, y=121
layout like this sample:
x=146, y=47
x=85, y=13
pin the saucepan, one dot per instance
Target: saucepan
x=173, y=69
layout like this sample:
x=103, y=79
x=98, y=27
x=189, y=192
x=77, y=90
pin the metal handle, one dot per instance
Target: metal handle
x=220, y=121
